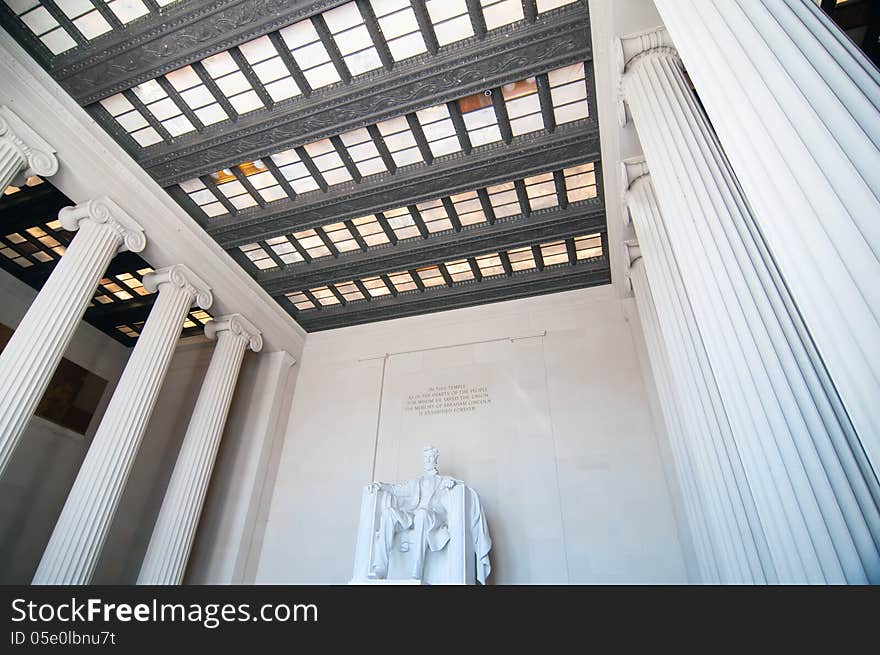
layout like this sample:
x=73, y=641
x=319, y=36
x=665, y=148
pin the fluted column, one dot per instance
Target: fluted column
x=167, y=554
x=32, y=354
x=796, y=106
x=706, y=454
x=22, y=152
x=815, y=506
x=76, y=543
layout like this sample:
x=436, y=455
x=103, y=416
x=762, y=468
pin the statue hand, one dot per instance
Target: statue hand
x=374, y=487
x=449, y=483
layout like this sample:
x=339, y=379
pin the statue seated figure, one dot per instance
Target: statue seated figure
x=431, y=529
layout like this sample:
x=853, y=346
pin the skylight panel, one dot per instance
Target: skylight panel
x=431, y=276
x=325, y=296
x=547, y=5
x=434, y=215
x=285, y=250
x=259, y=176
x=229, y=185
x=203, y=197
x=312, y=243
x=588, y=247
x=504, y=200
x=450, y=19
x=479, y=119
x=270, y=68
x=131, y=120
x=85, y=17
x=439, y=130
x=258, y=256
x=460, y=271
x=196, y=95
x=541, y=191
x=362, y=150
x=294, y=171
x=128, y=10
x=467, y=206
x=300, y=301
x=497, y=13
x=349, y=291
x=310, y=54
x=341, y=237
x=402, y=281
x=554, y=253
x=523, y=106
x=580, y=182
x=568, y=90
x=490, y=265
x=328, y=161
x=401, y=221
x=400, y=141
x=32, y=181
x=352, y=38
x=370, y=230
x=232, y=82
x=163, y=108
x=44, y=26
x=400, y=28
x=375, y=287
x=522, y=259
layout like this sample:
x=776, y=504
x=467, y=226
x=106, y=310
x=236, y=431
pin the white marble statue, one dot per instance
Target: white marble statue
x=431, y=529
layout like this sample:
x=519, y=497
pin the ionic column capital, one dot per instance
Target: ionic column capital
x=40, y=156
x=629, y=49
x=237, y=325
x=105, y=212
x=182, y=277
x=632, y=254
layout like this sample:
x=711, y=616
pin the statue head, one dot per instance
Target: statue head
x=429, y=458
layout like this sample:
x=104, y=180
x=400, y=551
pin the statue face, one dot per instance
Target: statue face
x=429, y=458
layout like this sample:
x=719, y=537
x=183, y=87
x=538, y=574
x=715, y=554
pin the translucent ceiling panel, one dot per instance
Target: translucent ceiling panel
x=131, y=120
x=312, y=243
x=467, y=206
x=568, y=89
x=270, y=68
x=196, y=95
x=341, y=237
x=547, y=5
x=439, y=130
x=233, y=189
x=362, y=150
x=44, y=26
x=504, y=200
x=497, y=13
x=232, y=82
x=310, y=54
x=203, y=197
x=85, y=17
x=328, y=161
x=258, y=256
x=128, y=10
x=352, y=38
x=401, y=221
x=163, y=108
x=541, y=191
x=521, y=259
x=479, y=119
x=523, y=106
x=434, y=215
x=450, y=19
x=400, y=28
x=370, y=230
x=400, y=141
x=589, y=246
x=580, y=182
x=294, y=171
x=324, y=296
x=554, y=253
x=460, y=271
x=284, y=249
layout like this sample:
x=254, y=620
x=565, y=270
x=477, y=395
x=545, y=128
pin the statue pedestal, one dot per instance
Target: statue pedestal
x=393, y=583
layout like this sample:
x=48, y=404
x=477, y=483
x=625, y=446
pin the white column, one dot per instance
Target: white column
x=797, y=109
x=707, y=453
x=75, y=545
x=167, y=554
x=32, y=354
x=815, y=506
x=22, y=152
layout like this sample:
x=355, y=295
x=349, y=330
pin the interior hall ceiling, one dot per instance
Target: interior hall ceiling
x=362, y=160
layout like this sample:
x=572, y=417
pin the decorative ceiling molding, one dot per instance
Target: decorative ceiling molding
x=179, y=35
x=542, y=226
x=520, y=285
x=460, y=69
x=529, y=154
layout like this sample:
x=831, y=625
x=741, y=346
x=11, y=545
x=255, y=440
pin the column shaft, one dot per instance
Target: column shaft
x=32, y=354
x=815, y=507
x=803, y=137
x=79, y=535
x=175, y=529
x=12, y=162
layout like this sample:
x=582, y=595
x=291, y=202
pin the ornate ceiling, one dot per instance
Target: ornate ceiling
x=362, y=160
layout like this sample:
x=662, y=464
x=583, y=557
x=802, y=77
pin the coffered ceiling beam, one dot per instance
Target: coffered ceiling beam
x=520, y=285
x=529, y=154
x=507, y=233
x=472, y=66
